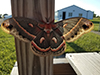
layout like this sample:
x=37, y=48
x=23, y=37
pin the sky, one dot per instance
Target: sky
x=93, y=5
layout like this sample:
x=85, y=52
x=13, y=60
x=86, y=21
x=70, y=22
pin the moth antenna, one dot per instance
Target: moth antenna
x=47, y=19
x=43, y=22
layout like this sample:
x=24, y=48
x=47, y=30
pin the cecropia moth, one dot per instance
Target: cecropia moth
x=47, y=37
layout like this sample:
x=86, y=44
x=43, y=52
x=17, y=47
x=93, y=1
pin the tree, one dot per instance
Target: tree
x=98, y=16
x=94, y=15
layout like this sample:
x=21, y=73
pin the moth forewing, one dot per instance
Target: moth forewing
x=5, y=26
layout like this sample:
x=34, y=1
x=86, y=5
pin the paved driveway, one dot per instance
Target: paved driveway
x=1, y=20
x=96, y=32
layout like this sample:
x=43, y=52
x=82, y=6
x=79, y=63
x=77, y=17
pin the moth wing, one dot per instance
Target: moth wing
x=23, y=28
x=40, y=45
x=5, y=26
x=57, y=44
x=75, y=28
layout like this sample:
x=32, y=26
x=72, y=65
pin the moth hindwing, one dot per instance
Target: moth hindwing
x=75, y=28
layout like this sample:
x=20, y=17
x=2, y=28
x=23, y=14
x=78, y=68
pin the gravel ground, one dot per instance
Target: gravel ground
x=1, y=20
x=96, y=32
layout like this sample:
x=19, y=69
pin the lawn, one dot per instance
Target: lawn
x=7, y=53
x=89, y=42
x=96, y=22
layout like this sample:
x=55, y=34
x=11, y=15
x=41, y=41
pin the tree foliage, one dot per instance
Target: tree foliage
x=94, y=15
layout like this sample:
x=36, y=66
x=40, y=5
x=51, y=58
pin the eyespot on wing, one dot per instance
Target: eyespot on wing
x=79, y=28
x=6, y=26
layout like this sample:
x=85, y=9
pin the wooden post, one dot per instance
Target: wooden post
x=28, y=63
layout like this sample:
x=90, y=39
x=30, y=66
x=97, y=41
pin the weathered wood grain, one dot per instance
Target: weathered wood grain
x=85, y=63
x=28, y=63
x=61, y=67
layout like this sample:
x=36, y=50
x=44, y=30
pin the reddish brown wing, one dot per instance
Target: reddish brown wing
x=27, y=30
x=22, y=28
x=42, y=42
x=75, y=28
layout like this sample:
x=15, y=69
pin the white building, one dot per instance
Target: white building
x=73, y=11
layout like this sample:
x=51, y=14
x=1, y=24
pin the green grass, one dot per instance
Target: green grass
x=89, y=42
x=7, y=53
x=96, y=22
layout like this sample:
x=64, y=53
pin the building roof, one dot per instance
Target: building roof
x=74, y=6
